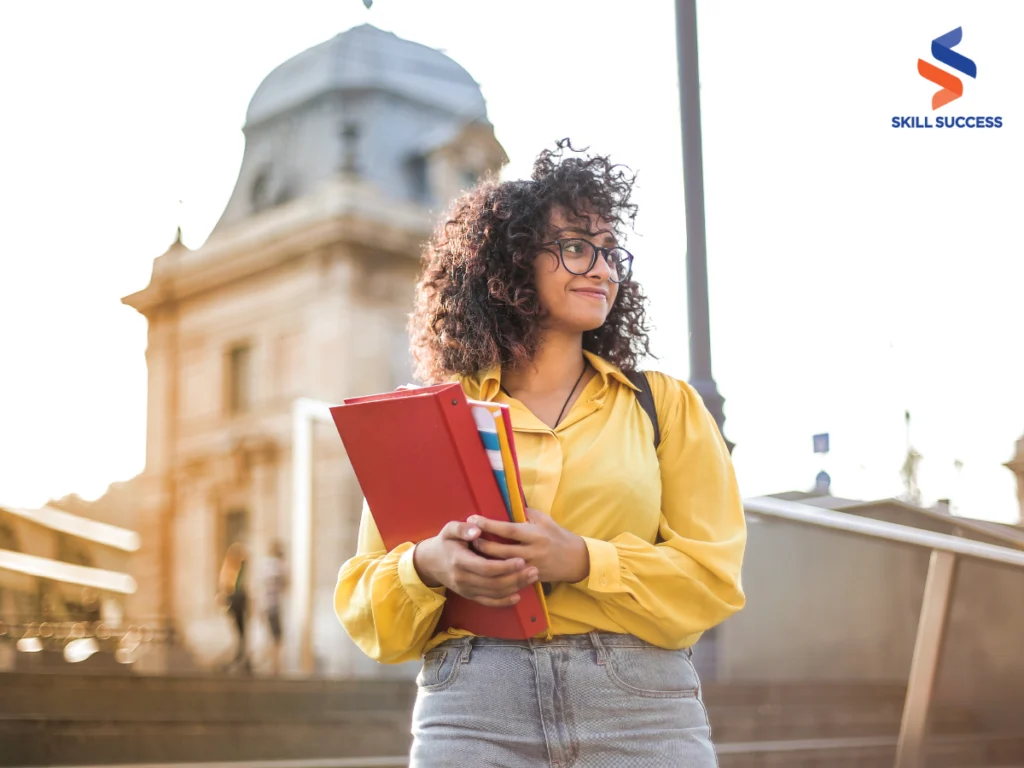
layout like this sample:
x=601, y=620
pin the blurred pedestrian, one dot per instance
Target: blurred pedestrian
x=275, y=582
x=233, y=595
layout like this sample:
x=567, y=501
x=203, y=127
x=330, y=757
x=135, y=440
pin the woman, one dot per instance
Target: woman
x=526, y=297
x=233, y=594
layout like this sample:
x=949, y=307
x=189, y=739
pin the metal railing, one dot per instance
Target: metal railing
x=931, y=625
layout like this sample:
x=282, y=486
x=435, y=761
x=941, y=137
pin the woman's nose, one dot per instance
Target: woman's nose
x=601, y=269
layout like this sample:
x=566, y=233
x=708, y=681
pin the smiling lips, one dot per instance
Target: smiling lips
x=592, y=293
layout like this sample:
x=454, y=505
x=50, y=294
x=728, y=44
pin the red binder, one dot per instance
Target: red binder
x=420, y=463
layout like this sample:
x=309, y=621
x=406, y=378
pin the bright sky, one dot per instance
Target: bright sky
x=856, y=270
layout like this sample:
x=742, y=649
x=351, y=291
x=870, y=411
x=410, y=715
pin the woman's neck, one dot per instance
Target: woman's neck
x=554, y=368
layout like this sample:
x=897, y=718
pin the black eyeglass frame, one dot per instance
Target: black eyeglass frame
x=597, y=251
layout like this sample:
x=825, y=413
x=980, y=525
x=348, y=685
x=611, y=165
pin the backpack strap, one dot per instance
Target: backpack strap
x=646, y=398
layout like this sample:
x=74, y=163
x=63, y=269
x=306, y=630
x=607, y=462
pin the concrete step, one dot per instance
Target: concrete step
x=56, y=742
x=869, y=752
x=864, y=752
x=206, y=698
x=754, y=722
x=370, y=734
x=61, y=719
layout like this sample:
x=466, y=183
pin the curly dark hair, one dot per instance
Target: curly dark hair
x=476, y=303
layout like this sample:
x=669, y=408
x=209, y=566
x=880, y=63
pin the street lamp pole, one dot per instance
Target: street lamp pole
x=693, y=187
x=696, y=239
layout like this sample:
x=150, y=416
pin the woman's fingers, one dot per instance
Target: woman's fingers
x=481, y=566
x=491, y=578
x=498, y=550
x=536, y=516
x=514, y=531
x=456, y=531
x=497, y=589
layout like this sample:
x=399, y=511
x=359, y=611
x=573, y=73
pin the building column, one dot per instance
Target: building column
x=154, y=521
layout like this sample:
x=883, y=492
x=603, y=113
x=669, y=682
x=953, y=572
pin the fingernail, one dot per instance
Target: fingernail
x=519, y=563
x=515, y=599
x=533, y=578
x=473, y=532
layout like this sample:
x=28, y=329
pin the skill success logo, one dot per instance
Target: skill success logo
x=951, y=87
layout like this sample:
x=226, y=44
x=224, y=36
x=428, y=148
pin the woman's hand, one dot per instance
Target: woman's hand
x=447, y=560
x=556, y=553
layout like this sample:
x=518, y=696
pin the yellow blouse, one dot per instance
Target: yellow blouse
x=665, y=531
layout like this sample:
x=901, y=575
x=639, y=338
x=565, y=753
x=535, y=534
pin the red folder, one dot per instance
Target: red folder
x=421, y=464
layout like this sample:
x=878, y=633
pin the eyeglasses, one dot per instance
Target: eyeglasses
x=579, y=256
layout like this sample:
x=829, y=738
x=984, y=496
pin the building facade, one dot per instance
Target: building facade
x=353, y=148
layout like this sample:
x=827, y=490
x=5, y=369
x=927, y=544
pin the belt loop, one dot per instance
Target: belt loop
x=599, y=650
x=467, y=650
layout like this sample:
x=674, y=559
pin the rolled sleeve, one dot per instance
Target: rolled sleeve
x=385, y=607
x=425, y=598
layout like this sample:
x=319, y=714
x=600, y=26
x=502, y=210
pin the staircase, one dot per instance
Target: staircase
x=62, y=719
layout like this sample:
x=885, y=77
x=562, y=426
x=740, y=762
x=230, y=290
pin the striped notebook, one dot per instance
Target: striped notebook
x=494, y=423
x=491, y=434
x=506, y=464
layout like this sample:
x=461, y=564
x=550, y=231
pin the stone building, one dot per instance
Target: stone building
x=352, y=148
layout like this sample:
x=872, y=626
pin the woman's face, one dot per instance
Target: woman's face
x=575, y=303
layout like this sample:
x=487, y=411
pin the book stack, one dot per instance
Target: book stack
x=425, y=457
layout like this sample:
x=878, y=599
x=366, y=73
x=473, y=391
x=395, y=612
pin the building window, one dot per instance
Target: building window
x=71, y=549
x=419, y=187
x=284, y=195
x=259, y=194
x=350, y=148
x=236, y=525
x=239, y=379
x=8, y=539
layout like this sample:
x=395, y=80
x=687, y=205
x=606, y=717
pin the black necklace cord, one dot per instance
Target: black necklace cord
x=566, y=403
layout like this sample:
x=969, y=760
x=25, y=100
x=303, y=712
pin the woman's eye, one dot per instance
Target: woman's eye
x=573, y=247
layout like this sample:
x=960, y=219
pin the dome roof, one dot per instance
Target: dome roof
x=368, y=58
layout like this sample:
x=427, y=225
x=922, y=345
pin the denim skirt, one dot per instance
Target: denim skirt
x=598, y=700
